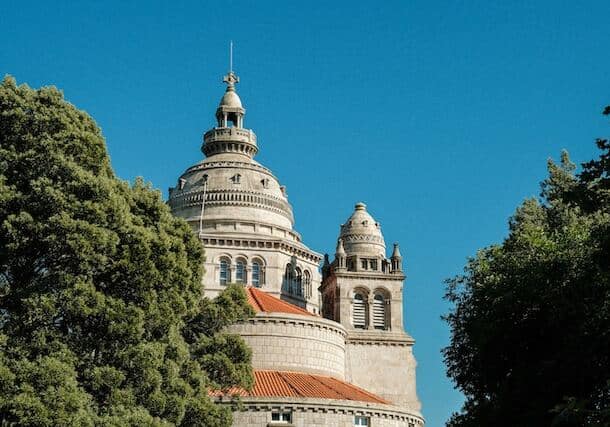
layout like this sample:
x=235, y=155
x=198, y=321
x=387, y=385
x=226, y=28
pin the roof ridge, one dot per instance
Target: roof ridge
x=264, y=299
x=281, y=375
x=255, y=297
x=317, y=378
x=302, y=385
x=368, y=393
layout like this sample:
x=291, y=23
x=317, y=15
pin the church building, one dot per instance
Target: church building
x=328, y=342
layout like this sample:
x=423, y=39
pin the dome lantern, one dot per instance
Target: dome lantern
x=230, y=112
x=230, y=136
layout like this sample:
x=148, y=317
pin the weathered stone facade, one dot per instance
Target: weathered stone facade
x=257, y=412
x=396, y=380
x=355, y=331
x=290, y=342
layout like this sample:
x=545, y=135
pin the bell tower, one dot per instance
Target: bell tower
x=362, y=290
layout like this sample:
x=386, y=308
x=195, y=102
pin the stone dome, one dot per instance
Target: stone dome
x=238, y=188
x=241, y=195
x=361, y=234
x=230, y=99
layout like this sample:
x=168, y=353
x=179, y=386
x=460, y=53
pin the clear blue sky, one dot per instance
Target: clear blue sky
x=439, y=115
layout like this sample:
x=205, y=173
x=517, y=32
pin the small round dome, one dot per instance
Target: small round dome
x=361, y=234
x=230, y=99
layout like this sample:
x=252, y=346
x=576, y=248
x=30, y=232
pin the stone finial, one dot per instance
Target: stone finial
x=230, y=110
x=326, y=261
x=396, y=259
x=340, y=255
x=340, y=249
x=396, y=251
x=230, y=79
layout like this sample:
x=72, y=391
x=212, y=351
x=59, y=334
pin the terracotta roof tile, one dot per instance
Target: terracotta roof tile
x=297, y=384
x=263, y=302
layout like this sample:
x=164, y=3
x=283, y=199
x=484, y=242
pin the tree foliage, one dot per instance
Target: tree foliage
x=102, y=320
x=530, y=322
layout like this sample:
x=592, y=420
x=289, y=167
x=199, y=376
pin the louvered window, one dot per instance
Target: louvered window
x=359, y=312
x=379, y=314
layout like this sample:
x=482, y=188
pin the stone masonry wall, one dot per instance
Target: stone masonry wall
x=322, y=413
x=298, y=343
x=384, y=369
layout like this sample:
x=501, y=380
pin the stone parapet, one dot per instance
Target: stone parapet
x=229, y=140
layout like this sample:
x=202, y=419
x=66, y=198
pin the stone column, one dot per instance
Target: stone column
x=369, y=312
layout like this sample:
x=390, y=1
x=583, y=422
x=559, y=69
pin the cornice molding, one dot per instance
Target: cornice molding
x=297, y=320
x=328, y=406
x=384, y=338
x=226, y=241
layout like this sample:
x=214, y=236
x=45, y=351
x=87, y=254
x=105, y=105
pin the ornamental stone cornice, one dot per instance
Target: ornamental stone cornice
x=349, y=238
x=326, y=406
x=248, y=235
x=384, y=338
x=210, y=164
x=287, y=247
x=367, y=275
x=232, y=197
x=298, y=320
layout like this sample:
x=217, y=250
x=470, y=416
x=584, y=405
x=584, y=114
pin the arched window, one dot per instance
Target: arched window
x=225, y=276
x=288, y=279
x=240, y=271
x=307, y=284
x=257, y=274
x=380, y=314
x=359, y=311
x=298, y=282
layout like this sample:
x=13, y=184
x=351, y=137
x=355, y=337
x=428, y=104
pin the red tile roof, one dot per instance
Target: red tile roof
x=263, y=302
x=297, y=384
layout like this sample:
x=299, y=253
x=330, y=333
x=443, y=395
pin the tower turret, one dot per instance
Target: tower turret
x=340, y=256
x=396, y=259
x=362, y=290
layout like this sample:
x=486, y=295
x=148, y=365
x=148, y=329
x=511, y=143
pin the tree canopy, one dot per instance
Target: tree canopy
x=102, y=320
x=530, y=323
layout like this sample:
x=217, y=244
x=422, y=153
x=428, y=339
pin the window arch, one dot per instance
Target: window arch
x=224, y=271
x=359, y=310
x=307, y=284
x=381, y=310
x=288, y=279
x=258, y=273
x=240, y=271
x=298, y=282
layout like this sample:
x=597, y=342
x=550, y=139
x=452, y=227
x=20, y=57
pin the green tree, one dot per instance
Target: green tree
x=530, y=323
x=102, y=320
